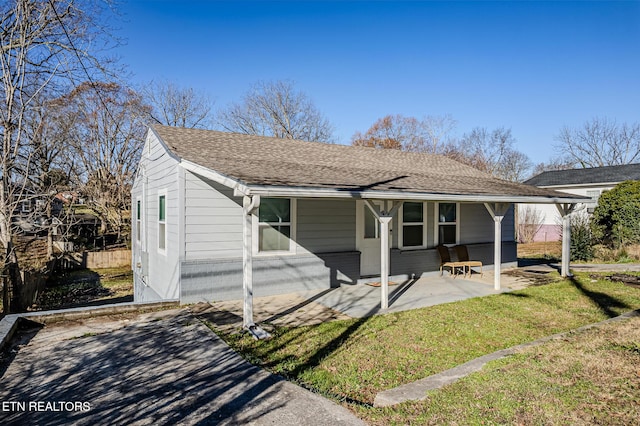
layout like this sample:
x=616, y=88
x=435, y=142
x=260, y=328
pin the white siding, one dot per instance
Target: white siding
x=325, y=226
x=552, y=220
x=213, y=220
x=157, y=173
x=477, y=226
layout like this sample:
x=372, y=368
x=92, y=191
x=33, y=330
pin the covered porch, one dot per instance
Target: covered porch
x=384, y=208
x=362, y=300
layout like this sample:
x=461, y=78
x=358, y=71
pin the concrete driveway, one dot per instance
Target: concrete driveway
x=159, y=368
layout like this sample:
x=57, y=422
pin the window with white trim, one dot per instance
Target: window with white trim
x=412, y=226
x=447, y=225
x=275, y=225
x=162, y=222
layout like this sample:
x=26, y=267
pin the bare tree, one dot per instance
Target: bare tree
x=600, y=142
x=530, y=221
x=431, y=134
x=438, y=131
x=492, y=152
x=106, y=137
x=558, y=163
x=45, y=169
x=179, y=107
x=277, y=109
x=43, y=45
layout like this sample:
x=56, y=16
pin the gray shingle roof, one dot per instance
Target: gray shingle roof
x=266, y=161
x=608, y=174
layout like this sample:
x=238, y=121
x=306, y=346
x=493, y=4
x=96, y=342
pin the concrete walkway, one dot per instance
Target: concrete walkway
x=159, y=368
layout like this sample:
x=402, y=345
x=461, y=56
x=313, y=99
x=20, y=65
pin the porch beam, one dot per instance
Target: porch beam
x=565, y=212
x=497, y=212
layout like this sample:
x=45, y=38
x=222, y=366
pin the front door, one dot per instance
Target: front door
x=368, y=239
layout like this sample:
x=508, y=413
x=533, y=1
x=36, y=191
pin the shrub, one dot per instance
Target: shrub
x=616, y=219
x=581, y=247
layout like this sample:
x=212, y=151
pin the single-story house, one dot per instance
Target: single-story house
x=219, y=215
x=587, y=182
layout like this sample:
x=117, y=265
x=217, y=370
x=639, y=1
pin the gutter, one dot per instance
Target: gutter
x=293, y=192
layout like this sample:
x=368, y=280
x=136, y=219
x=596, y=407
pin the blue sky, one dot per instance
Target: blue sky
x=529, y=66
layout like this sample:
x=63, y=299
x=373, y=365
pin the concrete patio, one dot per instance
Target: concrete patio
x=360, y=300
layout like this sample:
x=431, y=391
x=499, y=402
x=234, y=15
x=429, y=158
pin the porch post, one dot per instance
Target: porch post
x=249, y=207
x=565, y=211
x=384, y=260
x=497, y=212
x=384, y=217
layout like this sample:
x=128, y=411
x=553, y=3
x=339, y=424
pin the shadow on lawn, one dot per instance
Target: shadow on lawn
x=331, y=346
x=604, y=302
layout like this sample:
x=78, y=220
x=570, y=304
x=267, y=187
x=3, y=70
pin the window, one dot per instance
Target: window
x=275, y=225
x=162, y=222
x=138, y=219
x=447, y=227
x=371, y=224
x=412, y=226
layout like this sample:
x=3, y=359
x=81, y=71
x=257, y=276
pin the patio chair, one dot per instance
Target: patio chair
x=463, y=257
x=445, y=262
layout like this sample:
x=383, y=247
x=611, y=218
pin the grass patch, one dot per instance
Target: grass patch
x=352, y=360
x=591, y=377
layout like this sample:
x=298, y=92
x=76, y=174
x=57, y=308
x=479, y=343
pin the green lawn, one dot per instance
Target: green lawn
x=352, y=360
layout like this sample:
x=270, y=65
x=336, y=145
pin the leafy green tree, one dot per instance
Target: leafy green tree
x=616, y=219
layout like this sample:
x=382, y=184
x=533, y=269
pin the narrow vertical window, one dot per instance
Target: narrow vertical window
x=447, y=223
x=371, y=224
x=162, y=222
x=138, y=219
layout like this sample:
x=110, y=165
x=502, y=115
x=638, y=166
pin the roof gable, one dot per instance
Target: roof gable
x=608, y=174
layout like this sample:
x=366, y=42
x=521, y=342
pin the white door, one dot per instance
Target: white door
x=368, y=239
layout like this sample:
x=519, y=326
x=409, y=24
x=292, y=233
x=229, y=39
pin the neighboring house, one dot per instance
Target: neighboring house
x=34, y=211
x=585, y=182
x=214, y=213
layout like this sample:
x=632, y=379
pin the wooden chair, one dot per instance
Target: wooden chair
x=463, y=257
x=445, y=262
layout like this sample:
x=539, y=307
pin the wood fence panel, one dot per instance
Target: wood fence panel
x=108, y=259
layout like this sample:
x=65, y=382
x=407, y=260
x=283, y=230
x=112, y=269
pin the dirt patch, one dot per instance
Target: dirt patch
x=534, y=276
x=628, y=279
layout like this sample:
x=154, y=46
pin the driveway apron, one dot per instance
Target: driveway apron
x=167, y=370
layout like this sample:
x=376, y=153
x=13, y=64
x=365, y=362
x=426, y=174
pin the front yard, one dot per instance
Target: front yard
x=351, y=360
